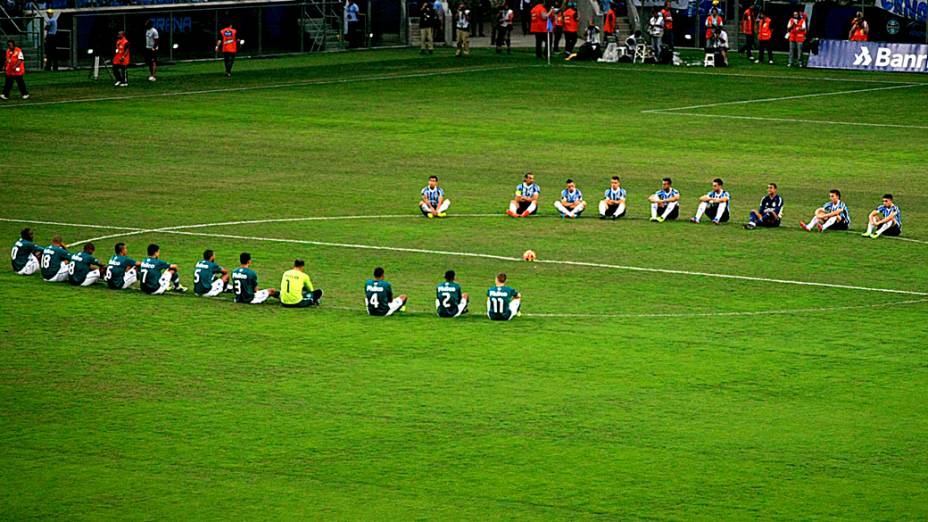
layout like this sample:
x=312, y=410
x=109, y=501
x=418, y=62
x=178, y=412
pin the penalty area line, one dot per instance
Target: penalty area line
x=282, y=85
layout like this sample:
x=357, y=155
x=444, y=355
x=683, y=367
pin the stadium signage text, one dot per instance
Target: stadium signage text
x=870, y=56
x=914, y=9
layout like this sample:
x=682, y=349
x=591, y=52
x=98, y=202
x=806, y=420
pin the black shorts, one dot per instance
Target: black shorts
x=893, y=231
x=674, y=214
x=151, y=56
x=770, y=220
x=610, y=210
x=523, y=206
x=714, y=209
x=839, y=225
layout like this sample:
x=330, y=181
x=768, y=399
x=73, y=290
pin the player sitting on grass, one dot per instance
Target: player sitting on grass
x=54, y=262
x=378, y=295
x=665, y=203
x=245, y=283
x=886, y=219
x=158, y=275
x=571, y=204
x=449, y=300
x=770, y=211
x=833, y=214
x=81, y=271
x=503, y=302
x=120, y=270
x=433, y=202
x=25, y=254
x=526, y=201
x=209, y=279
x=296, y=288
x=715, y=202
x=613, y=204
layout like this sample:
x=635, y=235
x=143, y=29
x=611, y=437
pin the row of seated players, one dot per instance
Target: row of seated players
x=886, y=219
x=156, y=276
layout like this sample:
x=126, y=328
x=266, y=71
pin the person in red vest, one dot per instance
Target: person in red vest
x=747, y=29
x=539, y=27
x=797, y=35
x=713, y=21
x=14, y=70
x=668, y=25
x=558, y=12
x=764, y=38
x=609, y=34
x=860, y=29
x=228, y=43
x=571, y=27
x=121, y=60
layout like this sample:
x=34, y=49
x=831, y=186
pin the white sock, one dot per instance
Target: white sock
x=532, y=207
x=831, y=221
x=514, y=308
x=602, y=208
x=561, y=208
x=670, y=207
x=721, y=212
x=513, y=207
x=886, y=226
x=812, y=223
x=619, y=211
x=653, y=210
x=869, y=228
x=444, y=206
x=701, y=210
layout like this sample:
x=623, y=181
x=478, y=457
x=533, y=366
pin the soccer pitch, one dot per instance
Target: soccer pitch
x=659, y=371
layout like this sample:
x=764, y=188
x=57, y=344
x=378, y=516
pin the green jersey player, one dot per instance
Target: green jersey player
x=378, y=295
x=209, y=279
x=25, y=254
x=54, y=262
x=121, y=269
x=245, y=283
x=158, y=275
x=81, y=271
x=503, y=302
x=449, y=300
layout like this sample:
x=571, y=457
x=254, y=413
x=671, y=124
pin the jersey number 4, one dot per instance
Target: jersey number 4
x=374, y=301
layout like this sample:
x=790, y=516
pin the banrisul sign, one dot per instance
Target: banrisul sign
x=870, y=56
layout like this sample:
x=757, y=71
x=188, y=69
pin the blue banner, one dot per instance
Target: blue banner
x=914, y=9
x=870, y=56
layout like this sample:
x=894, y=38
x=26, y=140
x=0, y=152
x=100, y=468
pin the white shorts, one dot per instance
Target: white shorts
x=32, y=266
x=215, y=289
x=62, y=274
x=92, y=277
x=261, y=296
x=395, y=305
x=129, y=278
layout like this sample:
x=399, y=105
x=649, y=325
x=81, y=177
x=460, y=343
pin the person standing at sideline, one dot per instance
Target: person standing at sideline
x=539, y=27
x=228, y=43
x=667, y=14
x=463, y=30
x=571, y=27
x=121, y=60
x=504, y=28
x=747, y=28
x=51, y=39
x=656, y=30
x=426, y=27
x=764, y=38
x=609, y=34
x=151, y=50
x=351, y=23
x=796, y=29
x=14, y=69
x=525, y=15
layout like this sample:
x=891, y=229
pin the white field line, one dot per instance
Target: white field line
x=783, y=98
x=792, y=120
x=282, y=85
x=740, y=75
x=177, y=230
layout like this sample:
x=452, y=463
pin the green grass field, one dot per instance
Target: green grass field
x=619, y=394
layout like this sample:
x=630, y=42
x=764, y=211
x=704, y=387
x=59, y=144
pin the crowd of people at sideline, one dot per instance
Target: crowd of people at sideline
x=155, y=276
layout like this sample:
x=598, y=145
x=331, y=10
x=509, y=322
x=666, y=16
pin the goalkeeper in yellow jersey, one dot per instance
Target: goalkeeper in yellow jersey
x=296, y=289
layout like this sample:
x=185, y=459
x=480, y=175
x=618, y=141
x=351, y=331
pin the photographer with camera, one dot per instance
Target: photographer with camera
x=860, y=29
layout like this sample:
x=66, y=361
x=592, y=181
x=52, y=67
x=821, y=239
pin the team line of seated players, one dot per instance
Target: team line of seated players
x=156, y=276
x=886, y=219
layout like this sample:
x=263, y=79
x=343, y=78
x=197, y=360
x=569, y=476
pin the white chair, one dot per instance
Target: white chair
x=709, y=60
x=641, y=52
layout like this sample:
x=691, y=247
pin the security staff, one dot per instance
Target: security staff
x=571, y=27
x=539, y=27
x=860, y=29
x=668, y=25
x=228, y=42
x=14, y=70
x=764, y=38
x=747, y=28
